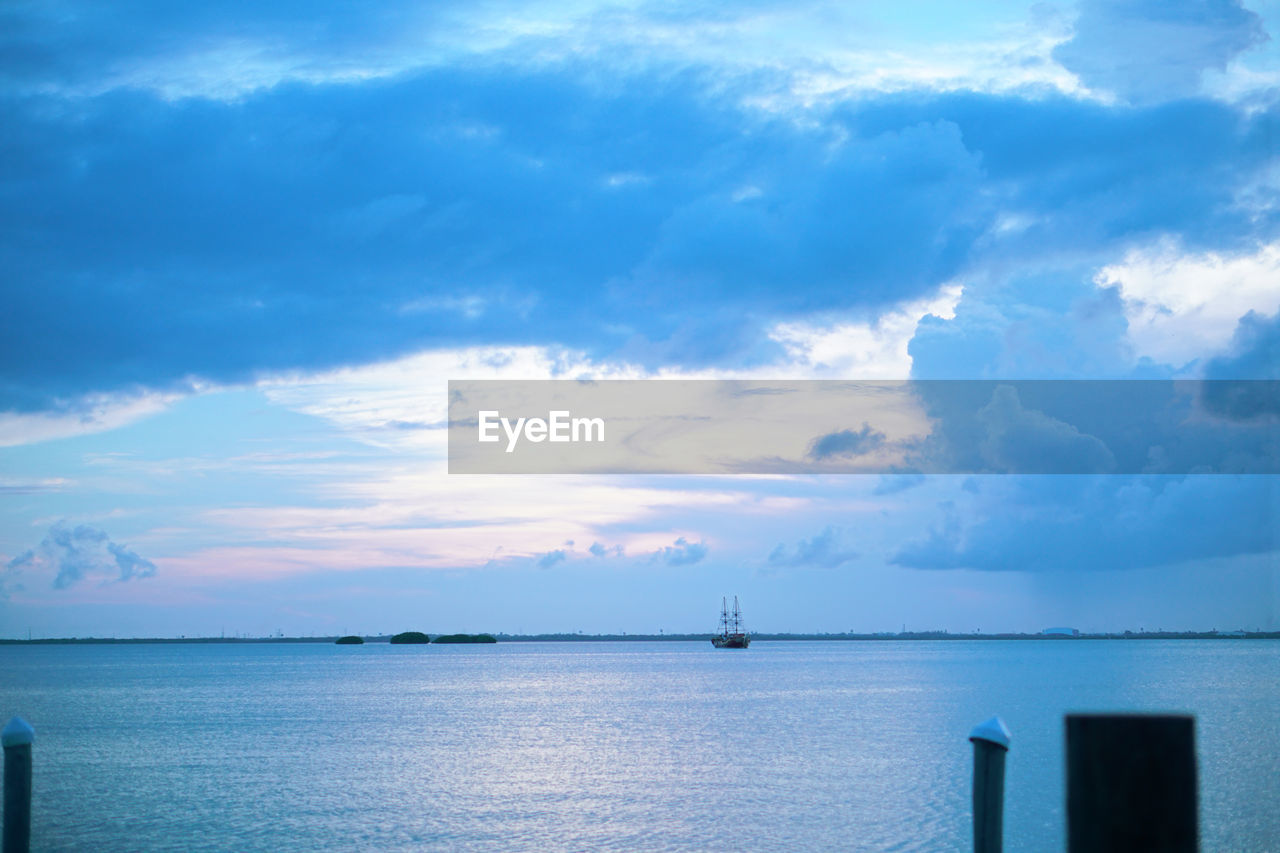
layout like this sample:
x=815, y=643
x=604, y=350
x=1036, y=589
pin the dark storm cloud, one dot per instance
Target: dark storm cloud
x=313, y=226
x=639, y=212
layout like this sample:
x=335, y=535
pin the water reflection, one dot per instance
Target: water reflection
x=663, y=746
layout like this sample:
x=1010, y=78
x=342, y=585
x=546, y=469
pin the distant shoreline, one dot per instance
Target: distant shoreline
x=676, y=638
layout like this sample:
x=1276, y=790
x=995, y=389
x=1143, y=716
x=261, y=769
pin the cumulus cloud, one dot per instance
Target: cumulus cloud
x=826, y=550
x=73, y=554
x=551, y=558
x=1254, y=359
x=1146, y=50
x=1254, y=352
x=599, y=550
x=682, y=553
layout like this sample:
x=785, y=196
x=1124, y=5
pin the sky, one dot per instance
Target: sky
x=245, y=248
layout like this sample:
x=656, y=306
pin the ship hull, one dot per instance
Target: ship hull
x=734, y=641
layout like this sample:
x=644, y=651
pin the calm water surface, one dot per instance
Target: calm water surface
x=624, y=746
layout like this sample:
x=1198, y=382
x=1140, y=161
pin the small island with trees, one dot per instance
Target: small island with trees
x=409, y=638
x=418, y=638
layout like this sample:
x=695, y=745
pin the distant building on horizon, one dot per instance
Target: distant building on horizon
x=1061, y=632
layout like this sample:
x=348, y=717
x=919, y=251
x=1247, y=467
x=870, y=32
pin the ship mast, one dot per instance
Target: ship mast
x=731, y=634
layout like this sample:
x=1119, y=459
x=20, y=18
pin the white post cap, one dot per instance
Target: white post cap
x=17, y=733
x=993, y=730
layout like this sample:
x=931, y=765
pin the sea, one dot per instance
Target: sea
x=623, y=746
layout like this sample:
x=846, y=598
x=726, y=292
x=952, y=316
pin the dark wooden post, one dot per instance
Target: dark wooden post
x=17, y=738
x=1131, y=783
x=990, y=745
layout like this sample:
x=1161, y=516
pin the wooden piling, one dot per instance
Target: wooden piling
x=990, y=745
x=17, y=738
x=1131, y=783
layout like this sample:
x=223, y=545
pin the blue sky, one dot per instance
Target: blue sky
x=245, y=249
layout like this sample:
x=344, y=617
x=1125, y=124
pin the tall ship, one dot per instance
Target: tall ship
x=731, y=635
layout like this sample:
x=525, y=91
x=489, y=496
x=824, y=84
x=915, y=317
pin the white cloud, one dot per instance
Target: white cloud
x=1239, y=83
x=1183, y=306
x=869, y=349
x=821, y=48
x=95, y=413
x=427, y=519
x=403, y=403
x=997, y=67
